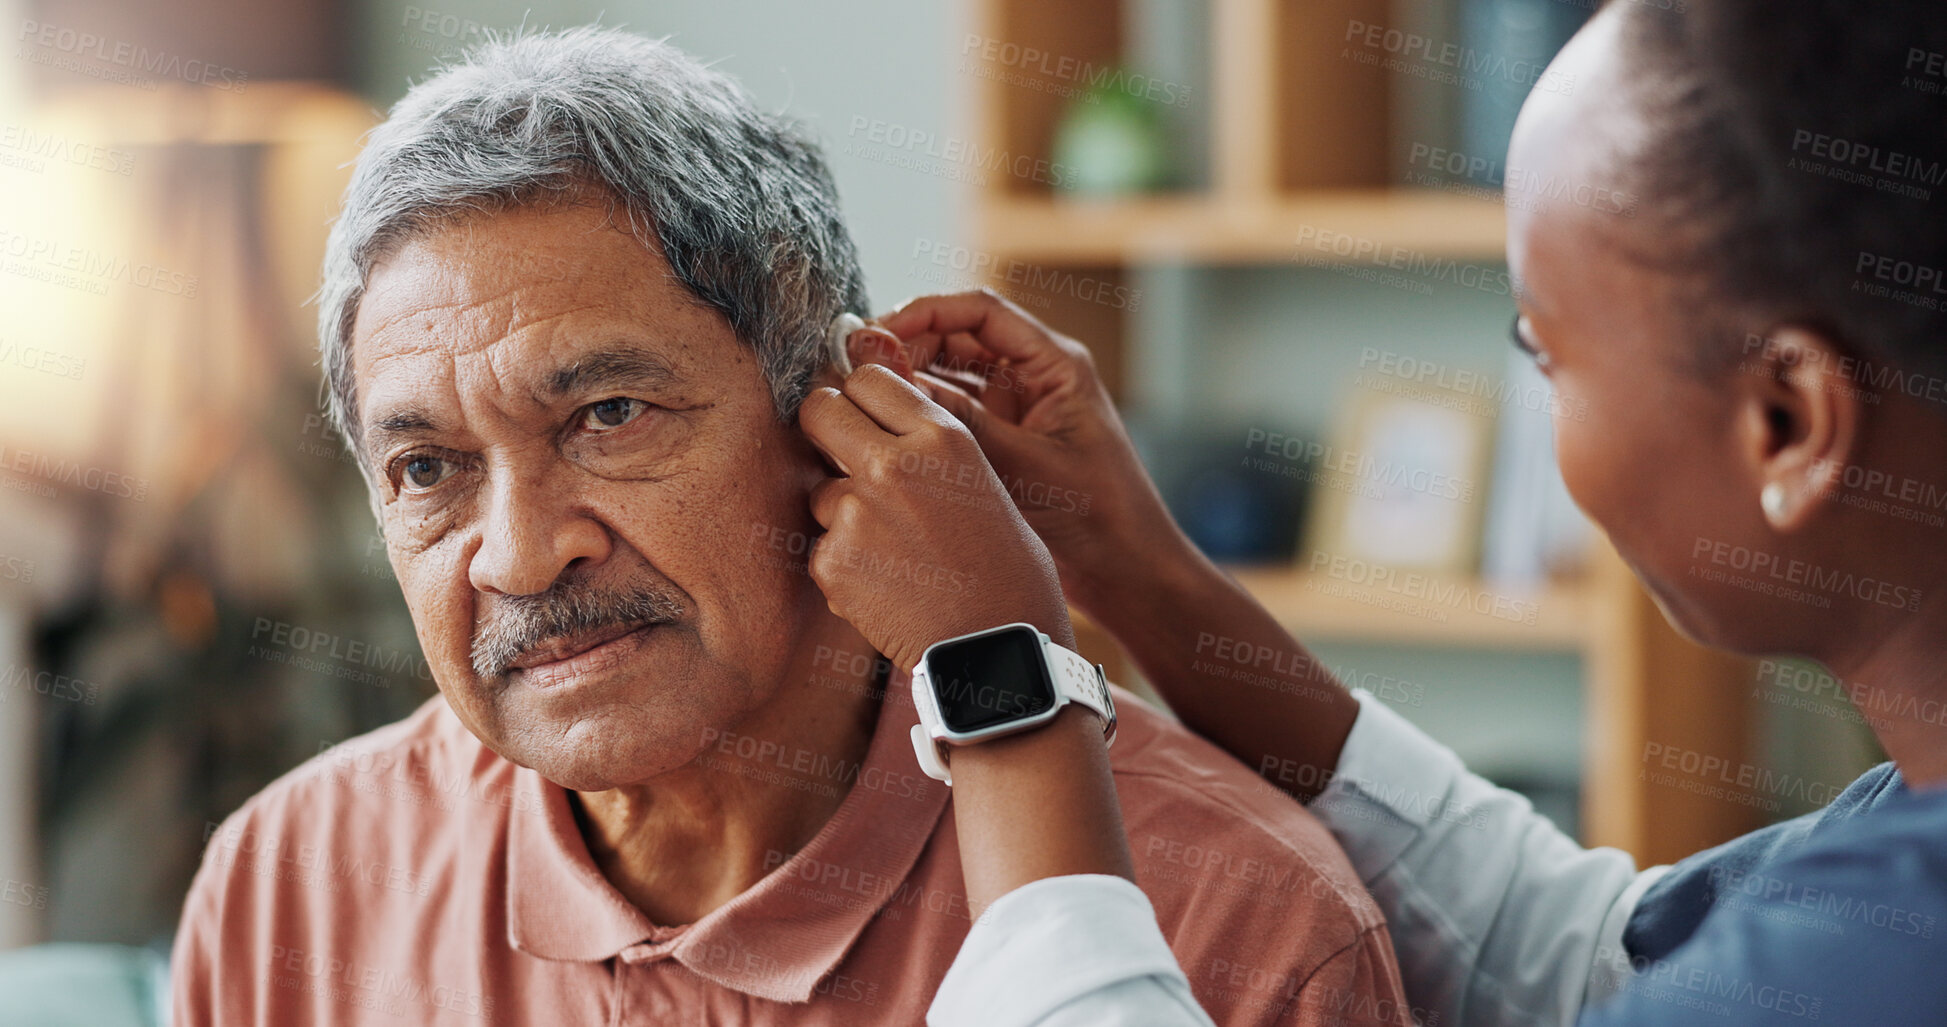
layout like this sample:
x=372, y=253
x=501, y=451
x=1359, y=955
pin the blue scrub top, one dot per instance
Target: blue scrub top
x=1838, y=917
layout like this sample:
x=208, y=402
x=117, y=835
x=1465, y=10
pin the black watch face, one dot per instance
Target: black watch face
x=991, y=680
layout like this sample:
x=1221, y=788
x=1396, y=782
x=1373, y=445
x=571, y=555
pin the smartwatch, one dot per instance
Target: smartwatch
x=998, y=682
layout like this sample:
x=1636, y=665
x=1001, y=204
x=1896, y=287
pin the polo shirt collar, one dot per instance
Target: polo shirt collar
x=780, y=937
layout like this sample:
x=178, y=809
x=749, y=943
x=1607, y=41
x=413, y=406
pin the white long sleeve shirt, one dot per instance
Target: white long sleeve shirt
x=1498, y=918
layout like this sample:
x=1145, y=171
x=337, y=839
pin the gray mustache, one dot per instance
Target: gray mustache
x=516, y=624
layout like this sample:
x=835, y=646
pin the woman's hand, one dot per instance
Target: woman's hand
x=1033, y=400
x=921, y=542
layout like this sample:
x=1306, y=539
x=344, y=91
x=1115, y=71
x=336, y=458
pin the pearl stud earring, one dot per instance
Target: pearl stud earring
x=1772, y=499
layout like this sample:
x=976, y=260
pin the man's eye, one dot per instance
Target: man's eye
x=610, y=414
x=423, y=472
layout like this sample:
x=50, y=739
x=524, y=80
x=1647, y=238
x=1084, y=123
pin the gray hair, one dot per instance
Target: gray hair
x=739, y=202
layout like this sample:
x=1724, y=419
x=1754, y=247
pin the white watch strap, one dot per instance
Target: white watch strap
x=1079, y=681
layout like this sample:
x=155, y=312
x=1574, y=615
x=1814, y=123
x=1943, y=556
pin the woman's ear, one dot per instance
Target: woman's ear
x=1802, y=421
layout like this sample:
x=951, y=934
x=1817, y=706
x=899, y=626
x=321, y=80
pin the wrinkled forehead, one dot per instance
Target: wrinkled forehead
x=520, y=263
x=523, y=299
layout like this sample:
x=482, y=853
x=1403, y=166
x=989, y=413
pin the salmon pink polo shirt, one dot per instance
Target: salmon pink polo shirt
x=413, y=876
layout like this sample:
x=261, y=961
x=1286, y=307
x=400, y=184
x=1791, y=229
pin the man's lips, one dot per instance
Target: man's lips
x=560, y=649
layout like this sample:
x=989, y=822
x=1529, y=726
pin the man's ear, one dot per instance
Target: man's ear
x=828, y=376
x=875, y=345
x=869, y=345
x=1801, y=421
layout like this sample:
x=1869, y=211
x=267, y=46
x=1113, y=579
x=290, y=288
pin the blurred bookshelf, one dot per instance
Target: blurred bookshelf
x=1305, y=603
x=1296, y=140
x=1235, y=230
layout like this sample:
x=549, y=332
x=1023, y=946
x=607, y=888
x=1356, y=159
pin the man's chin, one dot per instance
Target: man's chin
x=591, y=759
x=600, y=745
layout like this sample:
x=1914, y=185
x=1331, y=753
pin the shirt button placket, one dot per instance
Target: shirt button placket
x=643, y=982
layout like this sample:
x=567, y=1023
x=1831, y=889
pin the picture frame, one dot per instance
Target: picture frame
x=1404, y=482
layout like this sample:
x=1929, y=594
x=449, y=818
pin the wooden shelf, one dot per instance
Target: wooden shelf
x=1302, y=143
x=1221, y=230
x=1440, y=614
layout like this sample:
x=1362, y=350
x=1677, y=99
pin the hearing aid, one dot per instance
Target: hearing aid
x=838, y=336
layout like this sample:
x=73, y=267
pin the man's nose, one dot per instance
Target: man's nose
x=532, y=535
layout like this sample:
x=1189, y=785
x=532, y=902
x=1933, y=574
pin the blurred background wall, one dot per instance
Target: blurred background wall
x=1277, y=223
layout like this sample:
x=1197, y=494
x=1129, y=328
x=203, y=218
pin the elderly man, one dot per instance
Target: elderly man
x=570, y=311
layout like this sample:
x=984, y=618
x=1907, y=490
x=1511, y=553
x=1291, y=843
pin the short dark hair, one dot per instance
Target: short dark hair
x=1798, y=161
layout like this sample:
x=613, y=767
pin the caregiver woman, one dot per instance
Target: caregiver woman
x=1754, y=334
